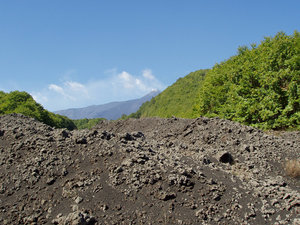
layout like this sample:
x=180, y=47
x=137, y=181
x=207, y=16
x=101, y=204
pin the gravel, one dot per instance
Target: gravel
x=146, y=171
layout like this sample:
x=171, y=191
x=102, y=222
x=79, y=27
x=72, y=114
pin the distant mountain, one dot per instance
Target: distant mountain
x=110, y=111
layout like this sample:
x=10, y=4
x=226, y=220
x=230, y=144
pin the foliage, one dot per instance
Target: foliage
x=177, y=100
x=259, y=86
x=87, y=123
x=23, y=103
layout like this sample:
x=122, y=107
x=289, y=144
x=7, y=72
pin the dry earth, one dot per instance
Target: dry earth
x=147, y=171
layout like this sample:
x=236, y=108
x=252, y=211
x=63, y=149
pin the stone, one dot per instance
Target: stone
x=127, y=137
x=81, y=140
x=65, y=133
x=106, y=136
x=51, y=180
x=166, y=196
x=225, y=157
x=78, y=200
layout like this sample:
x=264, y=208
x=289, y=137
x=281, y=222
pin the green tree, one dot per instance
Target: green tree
x=23, y=103
x=258, y=86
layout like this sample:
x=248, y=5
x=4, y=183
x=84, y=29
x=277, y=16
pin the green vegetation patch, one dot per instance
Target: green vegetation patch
x=258, y=87
x=23, y=103
x=177, y=100
x=87, y=123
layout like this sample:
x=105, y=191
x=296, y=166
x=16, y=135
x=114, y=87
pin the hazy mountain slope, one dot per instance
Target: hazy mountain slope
x=177, y=100
x=111, y=111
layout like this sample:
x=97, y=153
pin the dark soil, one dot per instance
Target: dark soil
x=146, y=171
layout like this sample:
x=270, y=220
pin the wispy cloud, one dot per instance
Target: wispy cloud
x=56, y=88
x=39, y=97
x=119, y=86
x=147, y=73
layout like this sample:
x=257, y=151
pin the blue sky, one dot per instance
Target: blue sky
x=71, y=53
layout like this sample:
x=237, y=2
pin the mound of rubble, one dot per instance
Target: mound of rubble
x=146, y=171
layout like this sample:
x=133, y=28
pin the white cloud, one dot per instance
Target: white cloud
x=147, y=73
x=56, y=88
x=75, y=86
x=126, y=80
x=61, y=91
x=129, y=81
x=125, y=76
x=39, y=97
x=116, y=87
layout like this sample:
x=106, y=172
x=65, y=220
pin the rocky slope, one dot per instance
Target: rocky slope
x=147, y=171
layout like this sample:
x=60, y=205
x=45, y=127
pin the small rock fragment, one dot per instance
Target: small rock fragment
x=225, y=157
x=78, y=200
x=51, y=180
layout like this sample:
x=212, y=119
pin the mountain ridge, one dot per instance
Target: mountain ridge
x=110, y=111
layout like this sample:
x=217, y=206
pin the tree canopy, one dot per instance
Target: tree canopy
x=23, y=103
x=260, y=86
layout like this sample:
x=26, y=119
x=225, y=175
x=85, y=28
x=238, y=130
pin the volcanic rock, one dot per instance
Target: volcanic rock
x=146, y=171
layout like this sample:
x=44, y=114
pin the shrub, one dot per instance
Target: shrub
x=292, y=168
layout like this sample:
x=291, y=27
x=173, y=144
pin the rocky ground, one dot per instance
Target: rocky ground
x=147, y=171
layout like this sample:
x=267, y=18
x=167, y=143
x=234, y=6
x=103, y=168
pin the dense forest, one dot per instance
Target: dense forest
x=23, y=103
x=260, y=86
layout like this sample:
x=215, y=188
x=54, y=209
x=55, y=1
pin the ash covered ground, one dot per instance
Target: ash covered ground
x=146, y=171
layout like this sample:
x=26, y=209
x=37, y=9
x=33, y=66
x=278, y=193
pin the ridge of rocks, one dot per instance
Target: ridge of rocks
x=146, y=171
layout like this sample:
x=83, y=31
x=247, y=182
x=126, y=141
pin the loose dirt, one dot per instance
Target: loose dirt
x=146, y=171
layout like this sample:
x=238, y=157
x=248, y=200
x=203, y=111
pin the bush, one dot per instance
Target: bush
x=292, y=168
